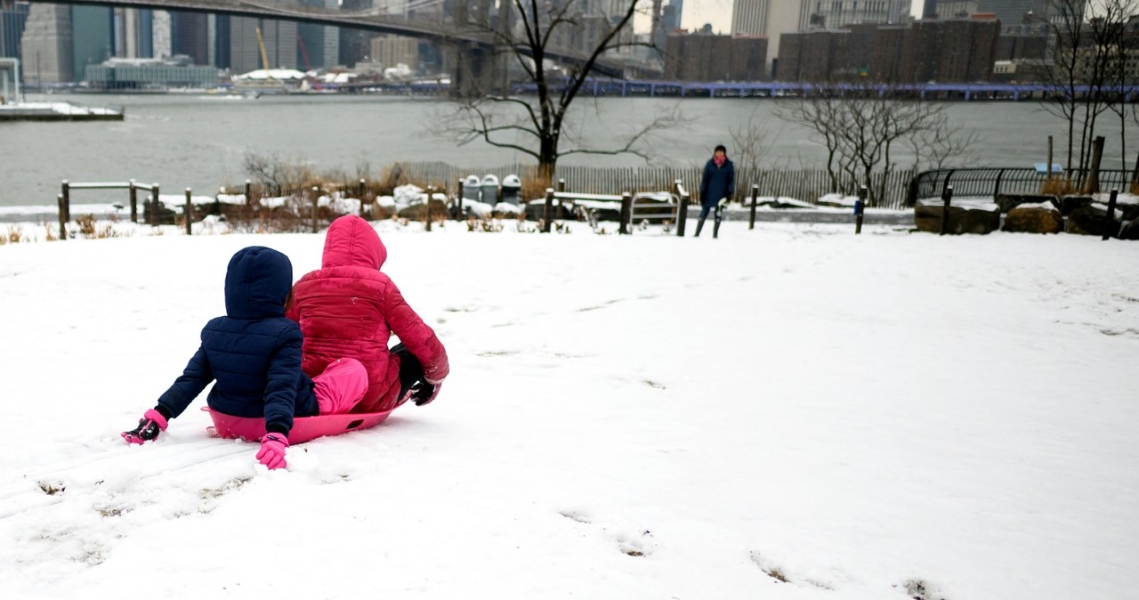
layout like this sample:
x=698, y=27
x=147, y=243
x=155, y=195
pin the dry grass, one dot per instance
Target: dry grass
x=1056, y=186
x=534, y=185
x=12, y=235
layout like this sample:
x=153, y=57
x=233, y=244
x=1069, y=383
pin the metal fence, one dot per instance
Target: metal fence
x=807, y=185
x=988, y=182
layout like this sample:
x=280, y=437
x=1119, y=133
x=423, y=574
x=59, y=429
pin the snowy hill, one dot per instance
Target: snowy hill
x=792, y=412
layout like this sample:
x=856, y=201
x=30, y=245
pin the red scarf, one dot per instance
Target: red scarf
x=719, y=160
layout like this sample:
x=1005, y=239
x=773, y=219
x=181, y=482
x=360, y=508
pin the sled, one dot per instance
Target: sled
x=304, y=428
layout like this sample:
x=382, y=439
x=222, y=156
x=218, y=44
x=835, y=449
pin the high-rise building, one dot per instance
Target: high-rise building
x=355, y=44
x=190, y=35
x=161, y=44
x=707, y=57
x=12, y=20
x=134, y=28
x=278, y=37
x=318, y=45
x=92, y=33
x=392, y=50
x=670, y=16
x=954, y=50
x=770, y=18
x=953, y=9
x=900, y=11
x=46, y=44
x=815, y=56
x=834, y=14
x=1014, y=12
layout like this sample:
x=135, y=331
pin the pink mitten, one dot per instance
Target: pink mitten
x=272, y=453
x=149, y=426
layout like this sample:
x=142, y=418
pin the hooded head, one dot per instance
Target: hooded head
x=257, y=283
x=352, y=242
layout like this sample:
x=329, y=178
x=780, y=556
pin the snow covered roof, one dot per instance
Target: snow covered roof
x=278, y=74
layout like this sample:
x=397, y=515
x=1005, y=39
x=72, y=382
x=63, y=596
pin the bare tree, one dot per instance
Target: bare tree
x=557, y=47
x=751, y=145
x=861, y=126
x=943, y=144
x=1086, y=68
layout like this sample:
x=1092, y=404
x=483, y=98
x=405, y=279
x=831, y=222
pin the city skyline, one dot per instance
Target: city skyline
x=719, y=14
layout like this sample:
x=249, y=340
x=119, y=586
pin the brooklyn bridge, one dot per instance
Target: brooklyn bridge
x=476, y=47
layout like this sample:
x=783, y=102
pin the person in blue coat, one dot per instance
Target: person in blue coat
x=253, y=353
x=718, y=183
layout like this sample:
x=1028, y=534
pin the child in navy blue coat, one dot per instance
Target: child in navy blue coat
x=254, y=355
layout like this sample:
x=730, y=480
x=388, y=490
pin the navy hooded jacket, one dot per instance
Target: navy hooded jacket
x=717, y=183
x=253, y=352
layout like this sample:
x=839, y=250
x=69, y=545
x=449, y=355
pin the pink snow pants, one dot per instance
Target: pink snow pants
x=341, y=386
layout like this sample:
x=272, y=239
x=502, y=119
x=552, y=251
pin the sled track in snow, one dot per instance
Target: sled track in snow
x=53, y=483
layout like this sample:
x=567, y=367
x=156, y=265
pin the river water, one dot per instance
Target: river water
x=200, y=141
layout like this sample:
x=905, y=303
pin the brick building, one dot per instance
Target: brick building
x=813, y=55
x=706, y=57
x=955, y=50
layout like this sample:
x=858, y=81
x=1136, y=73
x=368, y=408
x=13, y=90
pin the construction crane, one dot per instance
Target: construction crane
x=264, y=56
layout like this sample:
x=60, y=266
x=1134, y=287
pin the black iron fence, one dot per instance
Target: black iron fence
x=988, y=182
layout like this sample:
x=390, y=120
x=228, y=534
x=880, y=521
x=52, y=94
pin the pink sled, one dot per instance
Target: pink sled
x=304, y=428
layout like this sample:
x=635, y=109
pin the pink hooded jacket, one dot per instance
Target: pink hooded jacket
x=349, y=309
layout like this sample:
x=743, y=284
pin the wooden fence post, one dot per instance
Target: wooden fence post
x=154, y=217
x=189, y=211
x=315, y=202
x=859, y=205
x=62, y=219
x=459, y=213
x=427, y=211
x=754, y=201
x=547, y=210
x=681, y=207
x=66, y=200
x=946, y=198
x=561, y=188
x=363, y=193
x=133, y=194
x=626, y=212
x=1110, y=215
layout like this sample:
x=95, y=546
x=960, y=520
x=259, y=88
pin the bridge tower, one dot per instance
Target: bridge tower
x=477, y=70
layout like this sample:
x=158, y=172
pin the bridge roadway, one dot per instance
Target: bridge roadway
x=435, y=30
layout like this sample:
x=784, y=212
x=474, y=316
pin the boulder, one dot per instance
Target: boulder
x=1034, y=218
x=1130, y=230
x=1071, y=203
x=1091, y=220
x=417, y=212
x=973, y=217
x=1007, y=202
x=1126, y=205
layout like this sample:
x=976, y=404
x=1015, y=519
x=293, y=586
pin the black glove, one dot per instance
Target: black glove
x=425, y=391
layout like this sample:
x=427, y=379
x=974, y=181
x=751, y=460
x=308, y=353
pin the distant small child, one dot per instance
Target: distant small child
x=254, y=355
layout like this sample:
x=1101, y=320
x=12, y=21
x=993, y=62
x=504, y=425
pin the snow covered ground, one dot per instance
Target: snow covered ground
x=792, y=412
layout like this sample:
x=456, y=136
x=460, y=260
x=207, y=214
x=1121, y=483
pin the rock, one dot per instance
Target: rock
x=978, y=218
x=417, y=212
x=1008, y=202
x=1036, y=218
x=1091, y=220
x=1130, y=230
x=1071, y=203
